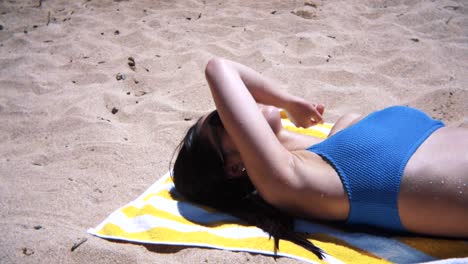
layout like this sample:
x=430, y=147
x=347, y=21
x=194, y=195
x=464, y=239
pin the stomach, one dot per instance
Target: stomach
x=433, y=196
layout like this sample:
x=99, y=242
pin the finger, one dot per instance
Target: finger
x=317, y=116
x=309, y=123
x=304, y=123
x=320, y=108
x=316, y=122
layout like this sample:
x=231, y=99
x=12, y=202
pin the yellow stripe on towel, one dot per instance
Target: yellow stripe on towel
x=166, y=194
x=320, y=130
x=256, y=244
x=132, y=212
x=438, y=248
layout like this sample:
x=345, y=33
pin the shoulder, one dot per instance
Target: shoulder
x=345, y=121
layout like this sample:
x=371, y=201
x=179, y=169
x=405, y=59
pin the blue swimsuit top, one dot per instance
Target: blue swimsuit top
x=370, y=157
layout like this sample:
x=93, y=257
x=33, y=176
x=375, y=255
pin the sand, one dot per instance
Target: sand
x=96, y=95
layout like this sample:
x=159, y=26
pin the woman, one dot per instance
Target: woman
x=367, y=172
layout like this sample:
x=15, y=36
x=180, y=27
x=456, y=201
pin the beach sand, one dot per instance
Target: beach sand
x=96, y=95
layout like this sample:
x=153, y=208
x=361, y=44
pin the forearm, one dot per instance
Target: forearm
x=221, y=73
x=263, y=89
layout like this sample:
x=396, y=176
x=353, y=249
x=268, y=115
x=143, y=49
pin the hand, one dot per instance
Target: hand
x=305, y=114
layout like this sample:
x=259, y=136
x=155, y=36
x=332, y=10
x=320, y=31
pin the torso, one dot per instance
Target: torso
x=435, y=176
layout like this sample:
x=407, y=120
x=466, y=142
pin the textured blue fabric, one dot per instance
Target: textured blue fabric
x=370, y=157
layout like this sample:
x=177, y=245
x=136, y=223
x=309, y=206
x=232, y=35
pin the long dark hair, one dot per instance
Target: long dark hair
x=199, y=176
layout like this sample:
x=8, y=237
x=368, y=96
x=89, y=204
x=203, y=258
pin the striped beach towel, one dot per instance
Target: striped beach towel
x=161, y=216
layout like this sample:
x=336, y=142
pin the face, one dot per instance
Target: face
x=212, y=127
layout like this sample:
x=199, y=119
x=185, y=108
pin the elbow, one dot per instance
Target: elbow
x=213, y=67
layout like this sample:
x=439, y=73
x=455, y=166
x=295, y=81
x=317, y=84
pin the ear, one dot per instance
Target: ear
x=234, y=169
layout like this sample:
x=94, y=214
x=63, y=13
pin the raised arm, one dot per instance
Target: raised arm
x=266, y=91
x=236, y=89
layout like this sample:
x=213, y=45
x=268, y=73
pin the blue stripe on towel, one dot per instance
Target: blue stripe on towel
x=199, y=215
x=450, y=261
x=386, y=248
